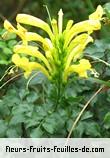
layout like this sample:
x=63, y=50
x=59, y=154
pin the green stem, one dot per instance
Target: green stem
x=58, y=86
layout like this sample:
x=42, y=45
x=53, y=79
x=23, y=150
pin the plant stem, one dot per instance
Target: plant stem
x=11, y=79
x=58, y=95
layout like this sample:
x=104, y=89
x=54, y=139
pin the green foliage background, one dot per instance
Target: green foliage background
x=32, y=113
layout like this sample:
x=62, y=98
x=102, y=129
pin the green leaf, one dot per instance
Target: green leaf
x=50, y=125
x=32, y=97
x=79, y=130
x=12, y=43
x=22, y=108
x=92, y=129
x=107, y=9
x=54, y=123
x=4, y=110
x=3, y=128
x=32, y=122
x=107, y=121
x=39, y=79
x=86, y=115
x=17, y=119
x=7, y=51
x=11, y=98
x=36, y=133
x=2, y=44
x=14, y=132
x=97, y=49
x=70, y=92
x=10, y=36
x=69, y=124
x=23, y=93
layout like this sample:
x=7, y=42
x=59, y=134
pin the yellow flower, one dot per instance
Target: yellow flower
x=80, y=68
x=76, y=48
x=20, y=31
x=86, y=26
x=31, y=20
x=32, y=51
x=27, y=66
x=97, y=15
x=60, y=21
x=56, y=55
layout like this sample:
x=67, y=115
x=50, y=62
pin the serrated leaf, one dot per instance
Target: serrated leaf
x=36, y=133
x=32, y=97
x=33, y=121
x=39, y=79
x=79, y=130
x=7, y=51
x=3, y=128
x=92, y=129
x=86, y=115
x=17, y=119
x=2, y=44
x=107, y=121
x=13, y=132
x=11, y=43
x=107, y=9
x=53, y=123
x=23, y=93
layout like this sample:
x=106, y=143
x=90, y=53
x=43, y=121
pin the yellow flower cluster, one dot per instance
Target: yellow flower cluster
x=59, y=52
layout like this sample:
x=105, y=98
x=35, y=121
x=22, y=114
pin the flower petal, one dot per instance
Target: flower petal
x=86, y=26
x=77, y=51
x=31, y=20
x=97, y=15
x=80, y=39
x=68, y=27
x=31, y=50
x=80, y=68
x=20, y=32
x=60, y=20
x=8, y=26
x=27, y=66
x=54, y=27
x=31, y=36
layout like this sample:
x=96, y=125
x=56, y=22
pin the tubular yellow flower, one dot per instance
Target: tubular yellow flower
x=54, y=26
x=80, y=68
x=49, y=43
x=97, y=15
x=31, y=36
x=86, y=26
x=79, y=40
x=8, y=26
x=31, y=20
x=21, y=28
x=59, y=52
x=68, y=27
x=60, y=21
x=20, y=31
x=32, y=51
x=27, y=66
x=77, y=51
